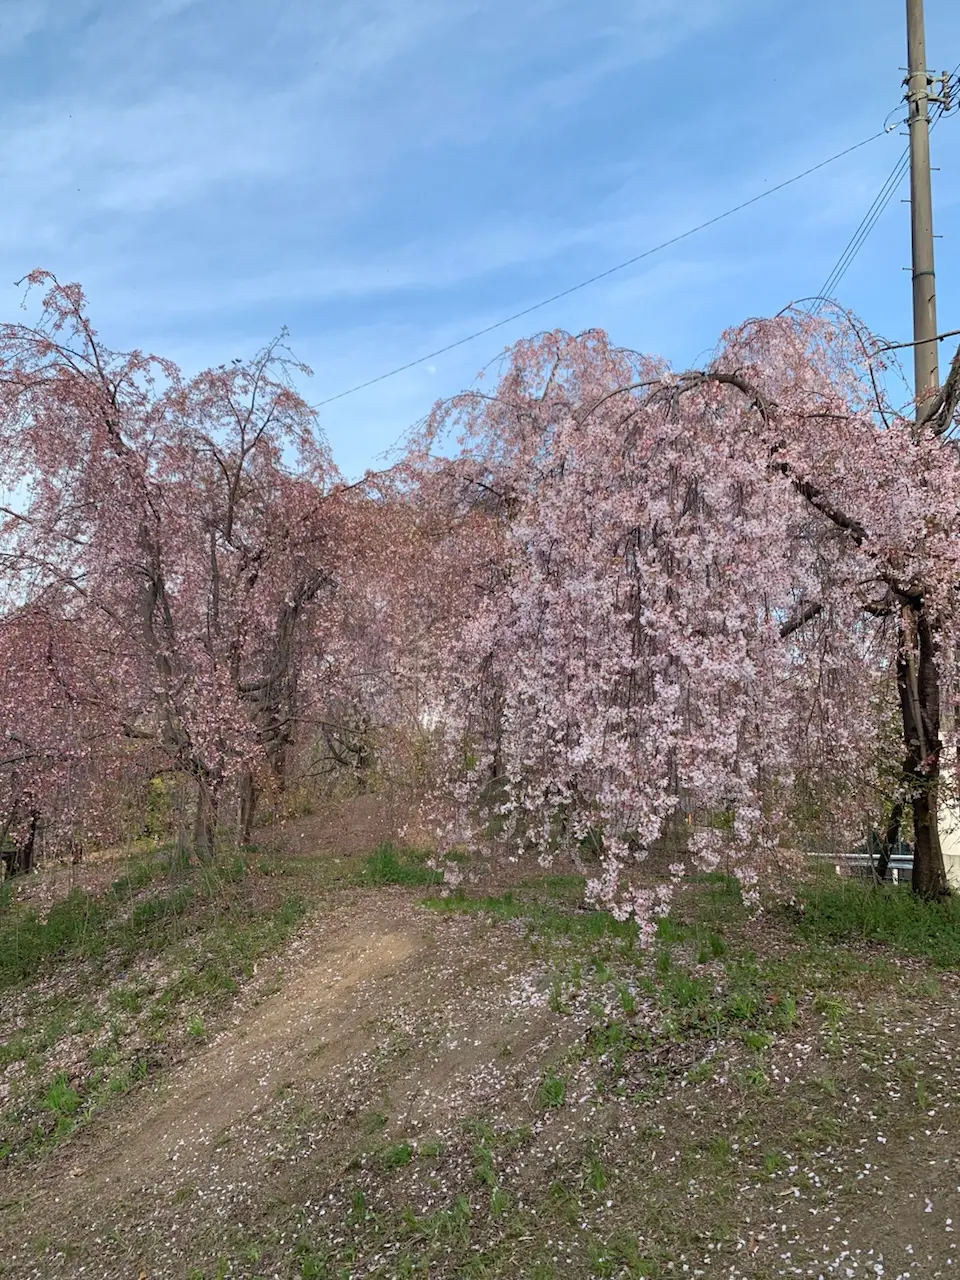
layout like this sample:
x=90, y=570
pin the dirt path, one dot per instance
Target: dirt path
x=314, y=1021
x=296, y=1074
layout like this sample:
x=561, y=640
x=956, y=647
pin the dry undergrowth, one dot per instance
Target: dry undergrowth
x=501, y=1087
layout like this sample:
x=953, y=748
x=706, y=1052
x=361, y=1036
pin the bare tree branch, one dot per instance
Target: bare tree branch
x=804, y=615
x=939, y=410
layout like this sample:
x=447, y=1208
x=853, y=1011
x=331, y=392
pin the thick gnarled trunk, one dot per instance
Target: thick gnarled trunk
x=918, y=683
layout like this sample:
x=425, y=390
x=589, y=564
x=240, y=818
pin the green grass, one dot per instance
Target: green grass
x=138, y=909
x=60, y=1098
x=506, y=906
x=546, y=916
x=553, y=1089
x=202, y=929
x=88, y=928
x=389, y=865
x=692, y=1025
x=890, y=916
x=78, y=924
x=397, y=1156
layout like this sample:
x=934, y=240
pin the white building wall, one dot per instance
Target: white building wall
x=950, y=841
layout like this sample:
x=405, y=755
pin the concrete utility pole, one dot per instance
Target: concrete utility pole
x=918, y=82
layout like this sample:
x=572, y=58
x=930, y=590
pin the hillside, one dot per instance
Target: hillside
x=318, y=1066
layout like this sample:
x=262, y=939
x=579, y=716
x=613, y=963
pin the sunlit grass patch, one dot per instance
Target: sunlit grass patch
x=889, y=915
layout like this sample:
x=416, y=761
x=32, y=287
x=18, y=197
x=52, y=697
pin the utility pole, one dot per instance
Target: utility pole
x=918, y=82
x=929, y=868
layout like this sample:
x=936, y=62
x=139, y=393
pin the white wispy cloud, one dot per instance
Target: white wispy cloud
x=387, y=175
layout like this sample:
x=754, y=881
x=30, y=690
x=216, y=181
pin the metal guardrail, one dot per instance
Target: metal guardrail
x=899, y=868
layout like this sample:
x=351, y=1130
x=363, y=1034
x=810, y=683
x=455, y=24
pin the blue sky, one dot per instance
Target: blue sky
x=385, y=176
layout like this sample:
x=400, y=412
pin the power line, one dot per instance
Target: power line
x=859, y=237
x=602, y=275
x=873, y=214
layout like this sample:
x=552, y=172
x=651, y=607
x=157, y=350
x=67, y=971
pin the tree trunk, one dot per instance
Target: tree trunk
x=19, y=859
x=277, y=759
x=205, y=823
x=362, y=768
x=248, y=805
x=25, y=850
x=918, y=683
x=890, y=839
x=929, y=871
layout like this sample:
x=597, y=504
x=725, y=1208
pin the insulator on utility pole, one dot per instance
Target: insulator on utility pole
x=946, y=95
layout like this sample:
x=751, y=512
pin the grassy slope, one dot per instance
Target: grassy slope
x=106, y=989
x=740, y=1065
x=754, y=1097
